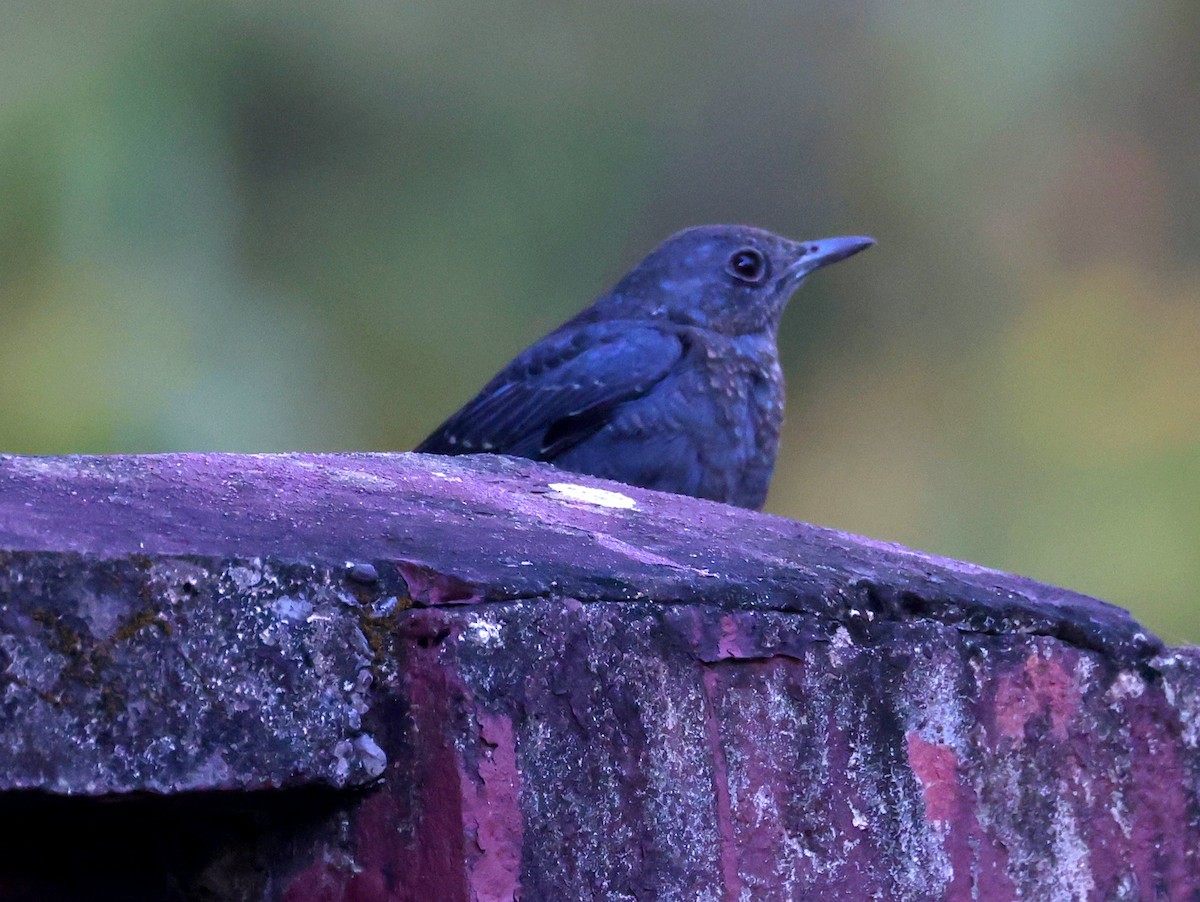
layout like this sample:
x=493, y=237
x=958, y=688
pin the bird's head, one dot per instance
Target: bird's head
x=730, y=279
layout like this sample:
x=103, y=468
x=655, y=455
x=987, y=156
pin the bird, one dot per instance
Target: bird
x=670, y=381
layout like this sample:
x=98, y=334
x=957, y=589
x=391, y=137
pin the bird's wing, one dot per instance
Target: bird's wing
x=560, y=391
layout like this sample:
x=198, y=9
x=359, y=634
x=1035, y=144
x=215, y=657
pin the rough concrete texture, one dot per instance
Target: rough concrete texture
x=360, y=677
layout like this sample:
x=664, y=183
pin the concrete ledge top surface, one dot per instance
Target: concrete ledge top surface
x=485, y=528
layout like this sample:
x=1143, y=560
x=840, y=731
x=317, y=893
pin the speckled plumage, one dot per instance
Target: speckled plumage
x=669, y=381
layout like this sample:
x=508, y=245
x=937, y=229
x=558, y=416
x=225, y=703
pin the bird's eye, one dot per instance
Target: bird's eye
x=747, y=265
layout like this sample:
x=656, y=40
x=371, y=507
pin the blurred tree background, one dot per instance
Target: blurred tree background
x=279, y=226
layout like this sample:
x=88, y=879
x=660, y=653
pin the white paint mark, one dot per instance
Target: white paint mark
x=600, y=497
x=858, y=819
x=485, y=632
x=1126, y=685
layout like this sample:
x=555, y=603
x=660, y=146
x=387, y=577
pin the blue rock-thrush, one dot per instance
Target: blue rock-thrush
x=669, y=381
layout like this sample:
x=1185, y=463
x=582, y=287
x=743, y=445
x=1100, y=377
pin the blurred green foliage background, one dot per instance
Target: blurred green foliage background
x=280, y=226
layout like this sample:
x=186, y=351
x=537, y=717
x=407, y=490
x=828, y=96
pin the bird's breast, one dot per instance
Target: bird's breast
x=733, y=404
x=743, y=380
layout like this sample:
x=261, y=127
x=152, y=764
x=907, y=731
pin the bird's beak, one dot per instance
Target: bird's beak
x=824, y=251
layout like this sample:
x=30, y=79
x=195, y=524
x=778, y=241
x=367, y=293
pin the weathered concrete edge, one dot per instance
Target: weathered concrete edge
x=338, y=608
x=481, y=528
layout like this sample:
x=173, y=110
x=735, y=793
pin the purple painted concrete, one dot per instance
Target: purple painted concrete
x=491, y=528
x=566, y=699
